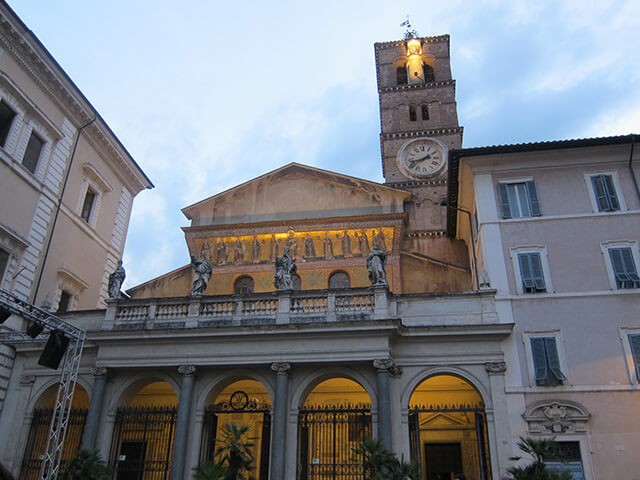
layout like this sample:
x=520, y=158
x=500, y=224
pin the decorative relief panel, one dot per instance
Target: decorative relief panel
x=305, y=246
x=556, y=416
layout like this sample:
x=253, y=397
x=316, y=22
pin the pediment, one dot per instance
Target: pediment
x=441, y=420
x=296, y=192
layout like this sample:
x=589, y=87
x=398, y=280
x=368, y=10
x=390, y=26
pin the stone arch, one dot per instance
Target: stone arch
x=421, y=376
x=37, y=397
x=125, y=390
x=217, y=384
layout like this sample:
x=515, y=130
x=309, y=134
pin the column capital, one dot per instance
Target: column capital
x=387, y=365
x=495, y=368
x=187, y=370
x=281, y=368
x=99, y=371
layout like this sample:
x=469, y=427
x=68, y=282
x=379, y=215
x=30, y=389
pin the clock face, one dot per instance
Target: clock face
x=423, y=157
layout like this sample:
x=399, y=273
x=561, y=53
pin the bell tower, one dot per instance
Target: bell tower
x=419, y=122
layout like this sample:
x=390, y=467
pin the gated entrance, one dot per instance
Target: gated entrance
x=328, y=437
x=37, y=441
x=143, y=442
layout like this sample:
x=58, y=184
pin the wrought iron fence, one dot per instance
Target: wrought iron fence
x=37, y=440
x=142, y=442
x=328, y=437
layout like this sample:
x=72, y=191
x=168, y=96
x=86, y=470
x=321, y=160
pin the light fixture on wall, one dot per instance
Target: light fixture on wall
x=54, y=350
x=34, y=329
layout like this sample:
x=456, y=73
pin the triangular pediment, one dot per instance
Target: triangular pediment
x=297, y=191
x=442, y=420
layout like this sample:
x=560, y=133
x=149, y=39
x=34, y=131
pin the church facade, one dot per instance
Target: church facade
x=509, y=309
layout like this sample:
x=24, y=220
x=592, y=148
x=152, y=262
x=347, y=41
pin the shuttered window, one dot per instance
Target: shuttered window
x=6, y=120
x=546, y=361
x=531, y=273
x=605, y=193
x=87, y=205
x=624, y=268
x=519, y=199
x=32, y=153
x=634, y=341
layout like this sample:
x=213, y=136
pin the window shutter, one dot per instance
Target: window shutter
x=536, y=270
x=525, y=271
x=629, y=265
x=534, y=203
x=634, y=341
x=616, y=260
x=601, y=194
x=612, y=199
x=504, y=200
x=554, y=359
x=539, y=361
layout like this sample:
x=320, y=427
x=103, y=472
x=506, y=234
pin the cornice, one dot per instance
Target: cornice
x=422, y=133
x=420, y=183
x=399, y=43
x=417, y=86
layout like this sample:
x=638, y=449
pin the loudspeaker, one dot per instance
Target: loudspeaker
x=4, y=313
x=54, y=350
x=34, y=329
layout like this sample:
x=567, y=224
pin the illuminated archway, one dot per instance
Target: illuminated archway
x=143, y=434
x=334, y=418
x=245, y=403
x=447, y=429
x=39, y=431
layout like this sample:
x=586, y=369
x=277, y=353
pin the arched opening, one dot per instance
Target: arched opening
x=243, y=285
x=412, y=113
x=401, y=75
x=143, y=434
x=447, y=429
x=425, y=111
x=339, y=280
x=427, y=71
x=334, y=419
x=39, y=430
x=244, y=403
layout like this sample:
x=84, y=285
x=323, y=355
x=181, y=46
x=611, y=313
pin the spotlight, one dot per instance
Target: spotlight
x=54, y=350
x=4, y=313
x=34, y=329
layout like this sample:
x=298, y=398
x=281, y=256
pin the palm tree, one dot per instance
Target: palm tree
x=87, y=465
x=209, y=470
x=381, y=464
x=235, y=451
x=538, y=449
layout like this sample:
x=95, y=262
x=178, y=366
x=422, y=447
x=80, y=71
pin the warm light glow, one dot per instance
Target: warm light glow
x=413, y=47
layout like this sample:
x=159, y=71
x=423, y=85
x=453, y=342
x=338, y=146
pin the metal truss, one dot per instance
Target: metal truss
x=60, y=417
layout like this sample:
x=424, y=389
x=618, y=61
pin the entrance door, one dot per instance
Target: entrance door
x=444, y=460
x=131, y=460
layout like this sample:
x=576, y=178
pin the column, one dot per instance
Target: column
x=384, y=369
x=95, y=408
x=279, y=423
x=498, y=425
x=182, y=422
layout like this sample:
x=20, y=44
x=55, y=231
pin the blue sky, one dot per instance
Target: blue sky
x=207, y=94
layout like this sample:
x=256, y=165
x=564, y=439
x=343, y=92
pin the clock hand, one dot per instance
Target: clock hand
x=418, y=160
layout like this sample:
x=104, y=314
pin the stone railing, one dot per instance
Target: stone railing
x=250, y=309
x=296, y=307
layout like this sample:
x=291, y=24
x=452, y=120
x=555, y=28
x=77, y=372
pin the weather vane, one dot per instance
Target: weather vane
x=409, y=32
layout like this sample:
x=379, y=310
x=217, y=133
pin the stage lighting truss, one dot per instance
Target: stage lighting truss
x=68, y=376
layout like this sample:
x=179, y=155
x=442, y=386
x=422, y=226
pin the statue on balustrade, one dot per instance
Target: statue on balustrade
x=285, y=270
x=115, y=281
x=376, y=264
x=202, y=271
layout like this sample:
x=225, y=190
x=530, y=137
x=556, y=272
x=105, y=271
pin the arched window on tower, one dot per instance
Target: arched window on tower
x=425, y=111
x=427, y=71
x=412, y=113
x=243, y=285
x=401, y=75
x=339, y=280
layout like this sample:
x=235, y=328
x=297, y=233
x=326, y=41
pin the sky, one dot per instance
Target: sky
x=208, y=94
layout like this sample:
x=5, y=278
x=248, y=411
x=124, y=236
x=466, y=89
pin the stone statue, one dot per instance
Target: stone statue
x=285, y=269
x=115, y=281
x=376, y=263
x=201, y=274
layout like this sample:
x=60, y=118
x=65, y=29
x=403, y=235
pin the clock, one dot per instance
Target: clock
x=422, y=157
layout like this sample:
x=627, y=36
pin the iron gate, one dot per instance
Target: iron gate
x=257, y=413
x=327, y=438
x=37, y=440
x=480, y=427
x=142, y=443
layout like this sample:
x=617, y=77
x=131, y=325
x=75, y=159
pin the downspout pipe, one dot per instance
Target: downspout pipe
x=633, y=175
x=55, y=218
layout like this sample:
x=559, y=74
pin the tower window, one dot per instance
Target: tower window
x=6, y=119
x=427, y=71
x=243, y=285
x=339, y=280
x=32, y=153
x=425, y=112
x=401, y=75
x=87, y=206
x=412, y=113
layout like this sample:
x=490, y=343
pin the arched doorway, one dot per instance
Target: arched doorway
x=39, y=431
x=143, y=434
x=334, y=419
x=447, y=429
x=245, y=403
